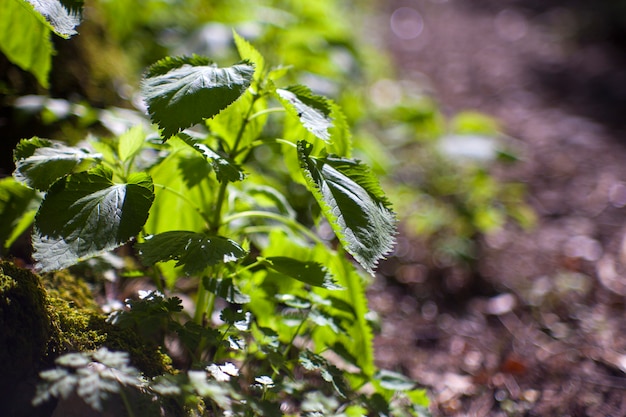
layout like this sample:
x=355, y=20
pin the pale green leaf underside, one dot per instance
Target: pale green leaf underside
x=86, y=214
x=311, y=110
x=350, y=200
x=193, y=251
x=181, y=92
x=62, y=21
x=40, y=162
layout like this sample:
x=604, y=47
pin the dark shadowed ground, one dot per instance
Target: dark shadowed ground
x=545, y=333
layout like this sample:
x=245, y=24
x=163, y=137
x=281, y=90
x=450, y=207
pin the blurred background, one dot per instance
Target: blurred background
x=497, y=128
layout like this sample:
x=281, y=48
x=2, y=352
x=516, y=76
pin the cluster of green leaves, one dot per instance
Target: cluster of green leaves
x=211, y=196
x=443, y=182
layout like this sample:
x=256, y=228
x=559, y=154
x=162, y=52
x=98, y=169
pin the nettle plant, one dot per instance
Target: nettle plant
x=249, y=192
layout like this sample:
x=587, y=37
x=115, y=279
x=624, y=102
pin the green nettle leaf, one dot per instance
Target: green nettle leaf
x=311, y=273
x=181, y=92
x=194, y=251
x=25, y=29
x=225, y=169
x=312, y=110
x=15, y=200
x=130, y=142
x=86, y=214
x=313, y=362
x=40, y=162
x=25, y=39
x=250, y=53
x=62, y=21
x=226, y=289
x=353, y=203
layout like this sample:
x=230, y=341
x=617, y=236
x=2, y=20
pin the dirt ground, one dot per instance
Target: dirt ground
x=545, y=335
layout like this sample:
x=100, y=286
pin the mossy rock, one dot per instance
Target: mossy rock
x=39, y=324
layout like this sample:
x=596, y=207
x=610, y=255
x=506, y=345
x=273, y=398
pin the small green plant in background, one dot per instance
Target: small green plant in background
x=442, y=176
x=280, y=320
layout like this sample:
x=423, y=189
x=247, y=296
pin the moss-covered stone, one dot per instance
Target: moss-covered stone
x=25, y=332
x=40, y=322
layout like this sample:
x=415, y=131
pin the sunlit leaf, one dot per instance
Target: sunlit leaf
x=25, y=29
x=181, y=92
x=353, y=203
x=228, y=124
x=61, y=20
x=86, y=214
x=226, y=289
x=225, y=169
x=193, y=251
x=40, y=162
x=25, y=39
x=15, y=200
x=130, y=142
x=247, y=52
x=312, y=110
x=311, y=273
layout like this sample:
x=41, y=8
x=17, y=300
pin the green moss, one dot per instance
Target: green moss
x=40, y=324
x=25, y=326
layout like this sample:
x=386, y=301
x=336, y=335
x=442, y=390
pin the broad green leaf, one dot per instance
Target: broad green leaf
x=25, y=28
x=340, y=142
x=226, y=289
x=247, y=52
x=357, y=340
x=193, y=251
x=86, y=214
x=312, y=110
x=130, y=142
x=172, y=182
x=15, y=200
x=353, y=203
x=275, y=199
x=40, y=162
x=25, y=39
x=311, y=273
x=229, y=123
x=181, y=92
x=225, y=169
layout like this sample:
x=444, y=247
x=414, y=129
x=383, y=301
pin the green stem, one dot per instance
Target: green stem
x=221, y=196
x=245, y=268
x=291, y=342
x=264, y=141
x=273, y=216
x=126, y=402
x=266, y=111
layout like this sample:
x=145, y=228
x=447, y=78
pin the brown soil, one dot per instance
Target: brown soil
x=548, y=339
